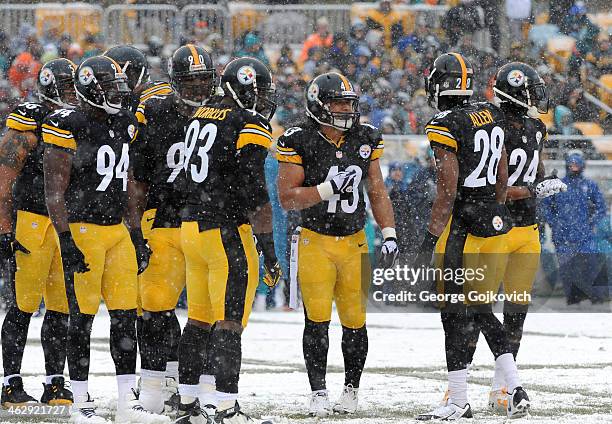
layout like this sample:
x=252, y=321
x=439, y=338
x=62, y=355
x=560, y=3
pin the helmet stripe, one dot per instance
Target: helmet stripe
x=463, y=70
x=194, y=53
x=119, y=68
x=346, y=82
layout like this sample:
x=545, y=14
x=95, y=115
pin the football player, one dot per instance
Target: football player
x=31, y=240
x=86, y=170
x=158, y=169
x=468, y=225
x=226, y=144
x=134, y=64
x=521, y=95
x=325, y=162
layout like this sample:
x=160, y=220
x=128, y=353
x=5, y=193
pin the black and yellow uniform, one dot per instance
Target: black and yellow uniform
x=225, y=149
x=332, y=242
x=146, y=91
x=96, y=199
x=524, y=143
x=475, y=237
x=38, y=273
x=158, y=161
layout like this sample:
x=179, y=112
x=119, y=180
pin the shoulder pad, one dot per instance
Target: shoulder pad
x=256, y=130
x=58, y=128
x=27, y=116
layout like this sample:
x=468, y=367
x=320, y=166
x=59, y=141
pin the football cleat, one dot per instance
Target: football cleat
x=450, y=412
x=234, y=415
x=85, y=413
x=191, y=413
x=518, y=403
x=131, y=412
x=347, y=404
x=319, y=404
x=14, y=394
x=498, y=400
x=56, y=393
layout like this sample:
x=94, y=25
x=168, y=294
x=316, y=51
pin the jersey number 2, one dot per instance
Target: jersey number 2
x=490, y=148
x=107, y=166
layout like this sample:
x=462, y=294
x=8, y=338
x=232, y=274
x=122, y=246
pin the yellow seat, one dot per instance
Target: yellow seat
x=603, y=94
x=589, y=128
x=247, y=20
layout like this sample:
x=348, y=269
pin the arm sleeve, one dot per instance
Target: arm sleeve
x=440, y=134
x=378, y=145
x=57, y=132
x=24, y=118
x=287, y=149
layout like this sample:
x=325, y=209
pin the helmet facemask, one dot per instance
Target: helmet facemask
x=63, y=92
x=194, y=89
x=534, y=98
x=261, y=100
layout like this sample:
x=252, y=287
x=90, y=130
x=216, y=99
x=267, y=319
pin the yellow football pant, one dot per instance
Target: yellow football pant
x=222, y=272
x=39, y=273
x=110, y=254
x=330, y=269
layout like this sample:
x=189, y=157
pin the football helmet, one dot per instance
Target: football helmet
x=450, y=75
x=519, y=84
x=249, y=82
x=56, y=83
x=192, y=74
x=324, y=89
x=133, y=63
x=101, y=83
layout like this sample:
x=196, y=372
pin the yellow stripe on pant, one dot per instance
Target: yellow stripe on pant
x=331, y=269
x=39, y=273
x=110, y=254
x=222, y=272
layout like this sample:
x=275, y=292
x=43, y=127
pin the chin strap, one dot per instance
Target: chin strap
x=532, y=111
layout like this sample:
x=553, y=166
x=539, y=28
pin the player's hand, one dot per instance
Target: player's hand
x=73, y=259
x=8, y=247
x=272, y=269
x=272, y=274
x=426, y=250
x=143, y=251
x=343, y=182
x=549, y=187
x=388, y=252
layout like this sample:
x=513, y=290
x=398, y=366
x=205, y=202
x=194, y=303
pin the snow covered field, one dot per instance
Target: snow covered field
x=565, y=363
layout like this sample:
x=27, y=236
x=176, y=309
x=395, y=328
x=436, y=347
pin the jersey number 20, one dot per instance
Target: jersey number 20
x=490, y=148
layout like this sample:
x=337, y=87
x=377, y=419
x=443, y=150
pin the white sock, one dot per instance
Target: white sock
x=79, y=390
x=172, y=370
x=151, y=390
x=208, y=395
x=226, y=400
x=48, y=378
x=508, y=368
x=189, y=393
x=125, y=385
x=498, y=378
x=457, y=387
x=8, y=377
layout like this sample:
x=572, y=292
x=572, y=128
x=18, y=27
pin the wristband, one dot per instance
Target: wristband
x=326, y=190
x=389, y=232
x=266, y=244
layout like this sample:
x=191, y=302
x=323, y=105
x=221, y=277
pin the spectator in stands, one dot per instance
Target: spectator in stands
x=321, y=38
x=23, y=74
x=93, y=46
x=417, y=40
x=600, y=58
x=564, y=125
x=75, y=53
x=491, y=10
x=285, y=59
x=252, y=46
x=340, y=53
x=9, y=98
x=573, y=217
x=358, y=35
x=315, y=55
x=579, y=26
x=518, y=13
x=462, y=19
x=420, y=195
x=582, y=109
x=387, y=21
x=397, y=189
x=64, y=43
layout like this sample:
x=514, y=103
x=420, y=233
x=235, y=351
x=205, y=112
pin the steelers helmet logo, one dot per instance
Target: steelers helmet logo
x=246, y=75
x=516, y=78
x=365, y=151
x=131, y=129
x=86, y=75
x=46, y=76
x=498, y=223
x=313, y=92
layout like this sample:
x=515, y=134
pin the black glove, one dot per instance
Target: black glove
x=265, y=245
x=73, y=259
x=8, y=247
x=425, y=255
x=143, y=251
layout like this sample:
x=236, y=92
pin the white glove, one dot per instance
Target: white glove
x=389, y=252
x=549, y=187
x=340, y=183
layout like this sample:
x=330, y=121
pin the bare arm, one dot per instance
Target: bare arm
x=15, y=147
x=447, y=170
x=291, y=194
x=137, y=199
x=379, y=198
x=501, y=185
x=57, y=164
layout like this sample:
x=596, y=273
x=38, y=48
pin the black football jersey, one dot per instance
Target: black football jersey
x=524, y=145
x=29, y=188
x=97, y=192
x=322, y=159
x=150, y=89
x=475, y=132
x=158, y=157
x=225, y=150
